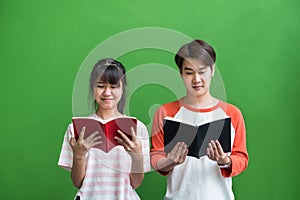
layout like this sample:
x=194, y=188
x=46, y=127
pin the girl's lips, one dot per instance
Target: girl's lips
x=197, y=86
x=106, y=100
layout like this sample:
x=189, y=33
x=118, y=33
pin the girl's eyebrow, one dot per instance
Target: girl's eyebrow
x=100, y=82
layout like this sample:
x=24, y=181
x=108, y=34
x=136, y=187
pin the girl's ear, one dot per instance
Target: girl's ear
x=213, y=70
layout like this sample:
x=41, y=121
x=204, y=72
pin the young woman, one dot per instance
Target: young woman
x=116, y=174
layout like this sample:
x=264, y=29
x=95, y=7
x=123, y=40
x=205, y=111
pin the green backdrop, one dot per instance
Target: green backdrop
x=43, y=44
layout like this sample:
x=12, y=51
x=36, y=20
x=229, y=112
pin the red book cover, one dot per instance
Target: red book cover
x=107, y=130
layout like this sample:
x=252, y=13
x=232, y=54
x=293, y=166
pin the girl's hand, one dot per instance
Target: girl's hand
x=133, y=146
x=82, y=146
x=215, y=152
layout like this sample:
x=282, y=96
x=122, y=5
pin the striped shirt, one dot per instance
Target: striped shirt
x=107, y=174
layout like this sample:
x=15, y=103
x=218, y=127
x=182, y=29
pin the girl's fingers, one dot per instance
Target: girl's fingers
x=126, y=146
x=96, y=143
x=81, y=135
x=96, y=139
x=72, y=141
x=133, y=134
x=124, y=137
x=92, y=136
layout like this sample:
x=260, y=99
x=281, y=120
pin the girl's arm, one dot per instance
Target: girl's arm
x=80, y=148
x=134, y=148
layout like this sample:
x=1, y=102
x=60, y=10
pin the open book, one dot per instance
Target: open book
x=196, y=137
x=107, y=130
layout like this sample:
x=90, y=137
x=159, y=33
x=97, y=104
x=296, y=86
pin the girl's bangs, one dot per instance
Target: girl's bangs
x=110, y=75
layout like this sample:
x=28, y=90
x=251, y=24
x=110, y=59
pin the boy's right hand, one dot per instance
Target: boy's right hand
x=178, y=154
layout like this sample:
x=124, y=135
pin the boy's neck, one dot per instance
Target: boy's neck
x=206, y=101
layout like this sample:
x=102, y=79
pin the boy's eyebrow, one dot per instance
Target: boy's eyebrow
x=187, y=68
x=203, y=67
x=200, y=68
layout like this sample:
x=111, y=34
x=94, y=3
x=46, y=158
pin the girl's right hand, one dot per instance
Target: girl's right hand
x=82, y=146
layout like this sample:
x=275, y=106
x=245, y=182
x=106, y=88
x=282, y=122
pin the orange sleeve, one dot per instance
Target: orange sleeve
x=239, y=155
x=157, y=138
x=157, y=135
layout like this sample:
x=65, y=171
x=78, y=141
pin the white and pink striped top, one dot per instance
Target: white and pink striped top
x=107, y=174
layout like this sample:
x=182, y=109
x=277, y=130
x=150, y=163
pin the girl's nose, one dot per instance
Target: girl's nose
x=106, y=91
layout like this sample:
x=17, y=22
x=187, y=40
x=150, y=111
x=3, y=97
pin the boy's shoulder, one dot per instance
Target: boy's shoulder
x=169, y=109
x=231, y=109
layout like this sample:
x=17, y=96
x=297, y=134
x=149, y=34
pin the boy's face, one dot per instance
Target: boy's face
x=196, y=77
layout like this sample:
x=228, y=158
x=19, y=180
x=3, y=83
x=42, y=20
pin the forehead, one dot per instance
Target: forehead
x=193, y=64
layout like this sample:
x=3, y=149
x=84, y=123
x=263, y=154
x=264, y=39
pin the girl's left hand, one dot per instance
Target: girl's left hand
x=215, y=152
x=133, y=146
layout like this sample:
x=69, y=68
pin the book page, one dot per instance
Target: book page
x=107, y=131
x=91, y=125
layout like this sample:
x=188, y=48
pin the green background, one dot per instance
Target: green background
x=43, y=43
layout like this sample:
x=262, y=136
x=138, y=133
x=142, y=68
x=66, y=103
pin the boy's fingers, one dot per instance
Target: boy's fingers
x=219, y=147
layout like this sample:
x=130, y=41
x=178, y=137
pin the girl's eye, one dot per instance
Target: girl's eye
x=100, y=86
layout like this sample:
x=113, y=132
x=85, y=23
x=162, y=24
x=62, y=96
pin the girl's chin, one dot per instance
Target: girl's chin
x=106, y=107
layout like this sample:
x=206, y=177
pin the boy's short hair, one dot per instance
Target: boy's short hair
x=197, y=49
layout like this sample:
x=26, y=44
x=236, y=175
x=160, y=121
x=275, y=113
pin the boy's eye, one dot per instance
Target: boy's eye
x=100, y=86
x=188, y=72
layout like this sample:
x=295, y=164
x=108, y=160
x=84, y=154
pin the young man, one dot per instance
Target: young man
x=208, y=177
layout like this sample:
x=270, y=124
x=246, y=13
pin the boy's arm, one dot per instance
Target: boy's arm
x=160, y=161
x=239, y=155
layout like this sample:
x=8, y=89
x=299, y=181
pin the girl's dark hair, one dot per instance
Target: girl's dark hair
x=198, y=49
x=109, y=71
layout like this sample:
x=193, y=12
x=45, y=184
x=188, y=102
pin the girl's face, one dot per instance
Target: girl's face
x=108, y=95
x=196, y=77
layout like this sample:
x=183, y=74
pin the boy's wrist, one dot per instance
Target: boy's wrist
x=225, y=164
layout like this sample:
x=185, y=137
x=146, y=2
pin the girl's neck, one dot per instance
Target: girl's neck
x=206, y=101
x=106, y=114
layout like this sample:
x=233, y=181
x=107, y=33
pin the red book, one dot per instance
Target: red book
x=107, y=130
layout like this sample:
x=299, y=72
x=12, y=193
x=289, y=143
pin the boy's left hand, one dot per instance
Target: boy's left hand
x=215, y=152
